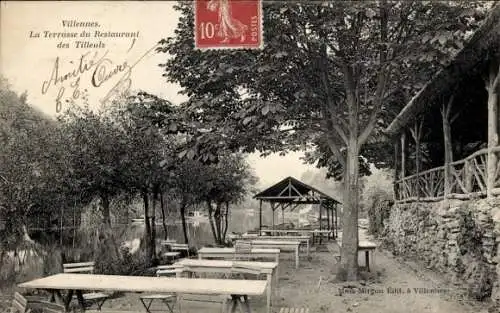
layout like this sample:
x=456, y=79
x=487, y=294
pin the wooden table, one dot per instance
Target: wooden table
x=303, y=239
x=280, y=244
x=230, y=253
x=223, y=266
x=311, y=232
x=76, y=283
x=366, y=246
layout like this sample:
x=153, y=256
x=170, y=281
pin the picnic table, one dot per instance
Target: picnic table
x=76, y=283
x=367, y=247
x=311, y=232
x=302, y=239
x=167, y=242
x=223, y=266
x=280, y=244
x=230, y=253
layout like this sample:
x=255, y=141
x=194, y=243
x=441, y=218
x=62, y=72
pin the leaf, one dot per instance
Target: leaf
x=426, y=38
x=280, y=54
x=173, y=127
x=370, y=13
x=191, y=153
x=182, y=154
x=442, y=39
x=247, y=120
x=265, y=109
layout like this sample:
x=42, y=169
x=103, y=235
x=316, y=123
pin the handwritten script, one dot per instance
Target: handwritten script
x=102, y=70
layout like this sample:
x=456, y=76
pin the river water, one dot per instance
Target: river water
x=199, y=231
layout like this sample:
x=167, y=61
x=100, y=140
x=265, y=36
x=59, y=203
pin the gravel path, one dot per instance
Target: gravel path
x=392, y=287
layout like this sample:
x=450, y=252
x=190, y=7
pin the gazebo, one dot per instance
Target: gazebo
x=290, y=193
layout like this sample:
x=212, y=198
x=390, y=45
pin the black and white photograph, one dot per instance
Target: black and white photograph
x=222, y=156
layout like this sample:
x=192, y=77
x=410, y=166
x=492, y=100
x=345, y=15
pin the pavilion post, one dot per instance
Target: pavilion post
x=396, y=172
x=416, y=133
x=320, y=214
x=403, y=155
x=336, y=221
x=328, y=221
x=448, y=148
x=272, y=208
x=260, y=217
x=492, y=87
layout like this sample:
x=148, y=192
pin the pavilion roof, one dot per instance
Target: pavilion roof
x=292, y=190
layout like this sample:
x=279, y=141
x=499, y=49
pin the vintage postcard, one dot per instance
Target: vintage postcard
x=250, y=156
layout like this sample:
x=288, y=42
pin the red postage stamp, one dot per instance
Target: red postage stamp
x=228, y=24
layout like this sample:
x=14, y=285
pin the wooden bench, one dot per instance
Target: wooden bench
x=294, y=310
x=168, y=242
x=242, y=250
x=87, y=268
x=21, y=304
x=168, y=299
x=180, y=247
x=46, y=307
x=171, y=254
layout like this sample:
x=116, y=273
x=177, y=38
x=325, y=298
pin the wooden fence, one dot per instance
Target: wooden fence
x=467, y=178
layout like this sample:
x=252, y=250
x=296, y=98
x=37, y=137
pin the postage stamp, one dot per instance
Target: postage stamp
x=228, y=24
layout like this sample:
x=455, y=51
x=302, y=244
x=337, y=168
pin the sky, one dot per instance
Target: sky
x=34, y=45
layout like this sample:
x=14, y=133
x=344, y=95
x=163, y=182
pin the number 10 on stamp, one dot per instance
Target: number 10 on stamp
x=228, y=24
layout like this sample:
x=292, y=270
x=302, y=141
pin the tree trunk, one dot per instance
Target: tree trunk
x=183, y=218
x=211, y=220
x=147, y=229
x=163, y=218
x=2, y=256
x=218, y=221
x=349, y=253
x=226, y=221
x=153, y=224
x=106, y=215
x=107, y=231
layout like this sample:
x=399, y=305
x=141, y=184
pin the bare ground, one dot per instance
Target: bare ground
x=313, y=286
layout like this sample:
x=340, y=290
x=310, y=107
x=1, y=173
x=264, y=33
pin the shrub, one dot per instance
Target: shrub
x=470, y=236
x=472, y=264
x=378, y=212
x=125, y=264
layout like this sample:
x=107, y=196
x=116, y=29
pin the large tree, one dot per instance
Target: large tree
x=97, y=154
x=327, y=77
x=147, y=122
x=227, y=182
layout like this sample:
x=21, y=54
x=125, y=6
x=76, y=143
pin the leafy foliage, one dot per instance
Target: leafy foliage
x=278, y=98
x=331, y=75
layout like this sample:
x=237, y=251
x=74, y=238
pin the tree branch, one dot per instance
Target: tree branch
x=335, y=150
x=382, y=77
x=496, y=81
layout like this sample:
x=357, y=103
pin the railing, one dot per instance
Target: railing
x=466, y=178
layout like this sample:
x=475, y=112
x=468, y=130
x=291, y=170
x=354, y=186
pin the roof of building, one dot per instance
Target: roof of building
x=474, y=53
x=293, y=190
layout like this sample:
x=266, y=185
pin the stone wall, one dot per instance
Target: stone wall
x=458, y=238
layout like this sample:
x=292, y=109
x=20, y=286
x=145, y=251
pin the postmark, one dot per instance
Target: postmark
x=228, y=24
